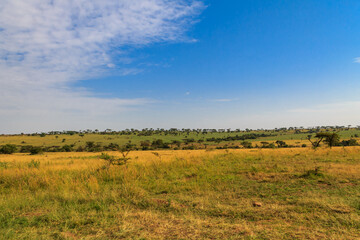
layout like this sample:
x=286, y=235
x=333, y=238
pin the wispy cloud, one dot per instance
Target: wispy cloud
x=357, y=60
x=224, y=100
x=46, y=45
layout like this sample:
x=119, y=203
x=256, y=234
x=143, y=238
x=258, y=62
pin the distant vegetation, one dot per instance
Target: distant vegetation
x=291, y=183
x=178, y=139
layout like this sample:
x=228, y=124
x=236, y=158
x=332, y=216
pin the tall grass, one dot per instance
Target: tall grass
x=303, y=194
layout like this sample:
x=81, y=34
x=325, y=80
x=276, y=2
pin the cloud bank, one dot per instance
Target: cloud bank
x=46, y=45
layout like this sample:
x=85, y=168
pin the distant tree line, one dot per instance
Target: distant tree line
x=241, y=137
x=330, y=139
x=188, y=131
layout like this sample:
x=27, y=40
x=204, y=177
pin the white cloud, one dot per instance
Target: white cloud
x=357, y=60
x=47, y=44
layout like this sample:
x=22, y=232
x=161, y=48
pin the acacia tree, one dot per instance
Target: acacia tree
x=331, y=139
x=124, y=150
x=316, y=143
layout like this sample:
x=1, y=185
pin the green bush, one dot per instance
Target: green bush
x=35, y=150
x=67, y=148
x=8, y=149
x=351, y=142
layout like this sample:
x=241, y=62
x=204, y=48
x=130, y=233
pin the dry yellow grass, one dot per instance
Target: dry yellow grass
x=195, y=194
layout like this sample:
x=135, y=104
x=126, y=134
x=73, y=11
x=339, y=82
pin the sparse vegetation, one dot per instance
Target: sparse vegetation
x=218, y=194
x=218, y=184
x=8, y=149
x=150, y=139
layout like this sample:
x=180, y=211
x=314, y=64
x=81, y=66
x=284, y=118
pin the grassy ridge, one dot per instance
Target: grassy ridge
x=299, y=194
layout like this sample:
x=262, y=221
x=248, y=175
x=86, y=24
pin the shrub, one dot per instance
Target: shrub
x=35, y=150
x=112, y=147
x=80, y=149
x=67, y=148
x=159, y=144
x=8, y=149
x=351, y=142
x=246, y=144
x=26, y=149
x=93, y=147
x=192, y=147
x=281, y=144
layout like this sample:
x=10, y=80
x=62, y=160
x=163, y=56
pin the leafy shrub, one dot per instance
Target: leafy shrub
x=80, y=149
x=93, y=147
x=67, y=148
x=36, y=150
x=281, y=144
x=351, y=142
x=8, y=149
x=112, y=147
x=246, y=144
x=26, y=149
x=237, y=137
x=158, y=143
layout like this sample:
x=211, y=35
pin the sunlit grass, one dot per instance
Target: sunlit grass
x=183, y=195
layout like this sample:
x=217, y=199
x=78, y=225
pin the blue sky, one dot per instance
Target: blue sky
x=197, y=64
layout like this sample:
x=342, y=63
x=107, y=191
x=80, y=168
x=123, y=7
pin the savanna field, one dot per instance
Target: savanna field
x=179, y=120
x=287, y=193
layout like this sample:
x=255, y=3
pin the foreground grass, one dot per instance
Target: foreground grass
x=299, y=194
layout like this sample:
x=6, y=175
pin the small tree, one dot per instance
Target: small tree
x=331, y=139
x=281, y=144
x=145, y=144
x=124, y=150
x=315, y=144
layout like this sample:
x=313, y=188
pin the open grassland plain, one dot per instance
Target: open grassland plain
x=215, y=194
x=295, y=139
